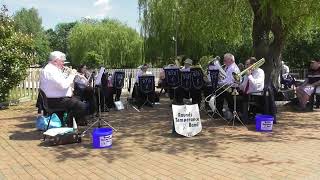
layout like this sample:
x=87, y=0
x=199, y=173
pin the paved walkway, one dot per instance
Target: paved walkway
x=144, y=149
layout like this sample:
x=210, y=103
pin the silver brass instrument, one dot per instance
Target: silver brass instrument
x=256, y=65
x=68, y=71
x=216, y=63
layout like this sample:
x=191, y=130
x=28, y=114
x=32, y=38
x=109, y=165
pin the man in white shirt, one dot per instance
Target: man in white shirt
x=180, y=92
x=253, y=82
x=231, y=67
x=58, y=89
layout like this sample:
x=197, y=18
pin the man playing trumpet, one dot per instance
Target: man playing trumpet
x=58, y=88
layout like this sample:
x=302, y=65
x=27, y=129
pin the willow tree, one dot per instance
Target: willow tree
x=117, y=44
x=267, y=24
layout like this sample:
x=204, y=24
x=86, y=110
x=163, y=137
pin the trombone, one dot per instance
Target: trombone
x=238, y=76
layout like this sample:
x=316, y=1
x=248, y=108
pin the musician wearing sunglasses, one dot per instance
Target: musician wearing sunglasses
x=252, y=84
x=59, y=89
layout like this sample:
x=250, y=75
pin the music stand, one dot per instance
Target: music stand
x=186, y=82
x=197, y=83
x=130, y=100
x=98, y=118
x=172, y=79
x=235, y=114
x=147, y=86
x=214, y=76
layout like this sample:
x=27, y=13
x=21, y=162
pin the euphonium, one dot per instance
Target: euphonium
x=222, y=73
x=238, y=76
x=67, y=71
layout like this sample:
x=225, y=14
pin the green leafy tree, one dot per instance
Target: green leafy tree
x=119, y=45
x=16, y=54
x=198, y=25
x=92, y=59
x=29, y=22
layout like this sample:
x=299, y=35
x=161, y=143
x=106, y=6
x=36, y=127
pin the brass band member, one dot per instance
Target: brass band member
x=308, y=87
x=58, y=89
x=136, y=93
x=231, y=66
x=252, y=82
x=111, y=91
x=83, y=88
x=192, y=93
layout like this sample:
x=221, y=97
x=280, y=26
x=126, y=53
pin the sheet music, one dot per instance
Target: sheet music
x=98, y=78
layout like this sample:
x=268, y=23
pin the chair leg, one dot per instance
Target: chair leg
x=44, y=136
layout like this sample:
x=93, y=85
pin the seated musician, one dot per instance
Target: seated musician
x=308, y=87
x=84, y=89
x=163, y=80
x=182, y=93
x=111, y=91
x=231, y=66
x=253, y=82
x=59, y=90
x=136, y=93
x=209, y=89
x=285, y=78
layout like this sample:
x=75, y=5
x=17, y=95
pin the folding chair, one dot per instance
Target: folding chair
x=49, y=110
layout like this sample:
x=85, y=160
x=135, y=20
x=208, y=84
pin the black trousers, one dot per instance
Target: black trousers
x=75, y=107
x=87, y=94
x=220, y=100
x=110, y=91
x=195, y=94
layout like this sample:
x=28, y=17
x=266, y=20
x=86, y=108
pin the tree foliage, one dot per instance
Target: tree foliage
x=16, y=54
x=117, y=44
x=29, y=22
x=206, y=27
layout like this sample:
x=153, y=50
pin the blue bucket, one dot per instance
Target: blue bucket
x=102, y=138
x=264, y=123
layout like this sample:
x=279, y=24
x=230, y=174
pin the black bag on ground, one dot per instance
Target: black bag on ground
x=61, y=139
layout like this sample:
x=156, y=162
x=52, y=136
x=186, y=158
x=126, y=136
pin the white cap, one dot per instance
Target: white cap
x=57, y=55
x=188, y=61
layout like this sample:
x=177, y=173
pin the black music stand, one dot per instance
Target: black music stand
x=235, y=114
x=214, y=76
x=147, y=87
x=118, y=82
x=197, y=85
x=172, y=79
x=186, y=82
x=99, y=119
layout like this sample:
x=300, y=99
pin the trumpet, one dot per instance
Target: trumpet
x=68, y=71
x=238, y=76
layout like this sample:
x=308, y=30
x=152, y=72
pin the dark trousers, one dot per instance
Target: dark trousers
x=75, y=107
x=257, y=107
x=110, y=91
x=195, y=94
x=88, y=95
x=220, y=100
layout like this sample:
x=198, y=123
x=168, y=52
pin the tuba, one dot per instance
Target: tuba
x=256, y=65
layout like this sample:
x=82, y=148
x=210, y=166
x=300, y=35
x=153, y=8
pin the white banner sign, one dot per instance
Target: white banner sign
x=186, y=119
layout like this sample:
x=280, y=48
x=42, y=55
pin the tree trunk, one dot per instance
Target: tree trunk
x=268, y=37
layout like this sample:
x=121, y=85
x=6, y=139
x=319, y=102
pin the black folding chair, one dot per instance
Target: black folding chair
x=147, y=88
x=172, y=79
x=49, y=110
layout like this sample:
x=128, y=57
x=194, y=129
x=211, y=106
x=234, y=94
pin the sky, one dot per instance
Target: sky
x=53, y=12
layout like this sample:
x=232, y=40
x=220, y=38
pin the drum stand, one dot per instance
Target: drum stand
x=99, y=118
x=235, y=114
